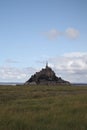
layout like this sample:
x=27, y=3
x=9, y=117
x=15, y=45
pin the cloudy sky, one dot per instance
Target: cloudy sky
x=35, y=31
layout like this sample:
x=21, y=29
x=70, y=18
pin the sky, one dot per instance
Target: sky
x=35, y=31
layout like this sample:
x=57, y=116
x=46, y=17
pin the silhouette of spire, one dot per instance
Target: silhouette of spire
x=46, y=64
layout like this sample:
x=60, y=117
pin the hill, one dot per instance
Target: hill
x=46, y=76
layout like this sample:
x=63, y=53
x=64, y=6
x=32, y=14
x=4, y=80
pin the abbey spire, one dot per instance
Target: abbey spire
x=46, y=64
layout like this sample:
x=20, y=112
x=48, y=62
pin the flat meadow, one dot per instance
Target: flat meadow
x=43, y=107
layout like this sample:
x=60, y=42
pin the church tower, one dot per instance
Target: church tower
x=46, y=64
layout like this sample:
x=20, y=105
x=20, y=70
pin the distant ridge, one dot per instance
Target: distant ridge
x=79, y=84
x=11, y=83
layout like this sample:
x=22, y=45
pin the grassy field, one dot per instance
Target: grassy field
x=43, y=108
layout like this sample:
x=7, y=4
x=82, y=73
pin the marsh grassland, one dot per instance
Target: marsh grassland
x=43, y=108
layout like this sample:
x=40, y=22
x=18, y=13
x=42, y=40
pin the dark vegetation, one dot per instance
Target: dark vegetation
x=43, y=108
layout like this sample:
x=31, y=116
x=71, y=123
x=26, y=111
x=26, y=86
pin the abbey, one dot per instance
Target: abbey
x=46, y=77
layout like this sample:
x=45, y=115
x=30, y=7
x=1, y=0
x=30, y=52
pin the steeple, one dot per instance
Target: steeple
x=46, y=64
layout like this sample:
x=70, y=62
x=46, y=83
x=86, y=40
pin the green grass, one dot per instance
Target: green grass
x=43, y=108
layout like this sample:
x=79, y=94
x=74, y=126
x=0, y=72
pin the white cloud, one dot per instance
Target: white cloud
x=71, y=33
x=9, y=61
x=75, y=54
x=52, y=34
x=72, y=66
x=15, y=74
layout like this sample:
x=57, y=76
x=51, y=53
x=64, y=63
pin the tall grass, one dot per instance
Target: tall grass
x=43, y=108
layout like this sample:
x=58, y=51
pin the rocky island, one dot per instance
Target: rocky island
x=46, y=77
